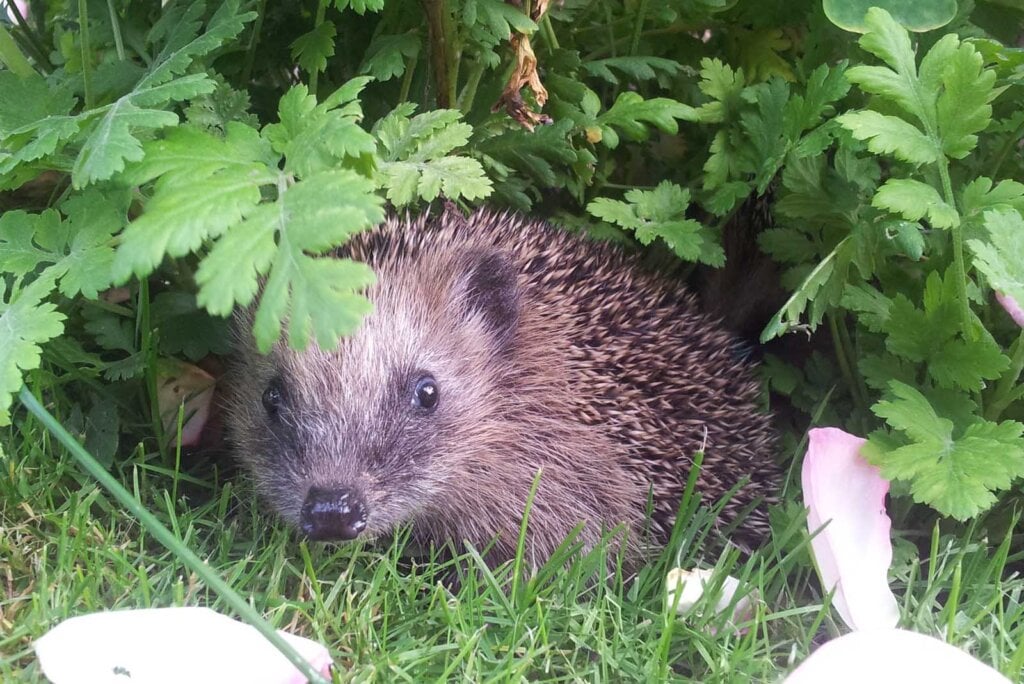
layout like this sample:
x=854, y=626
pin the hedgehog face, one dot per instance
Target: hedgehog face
x=356, y=441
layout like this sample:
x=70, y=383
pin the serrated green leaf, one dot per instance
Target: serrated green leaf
x=639, y=67
x=312, y=50
x=890, y=135
x=387, y=55
x=632, y=114
x=26, y=322
x=1001, y=259
x=963, y=107
x=913, y=200
x=956, y=476
x=112, y=141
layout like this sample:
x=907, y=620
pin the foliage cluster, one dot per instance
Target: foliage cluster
x=162, y=166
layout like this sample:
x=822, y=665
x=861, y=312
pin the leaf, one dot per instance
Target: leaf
x=26, y=322
x=913, y=200
x=387, y=55
x=849, y=15
x=661, y=213
x=631, y=113
x=957, y=476
x=963, y=107
x=1001, y=259
x=890, y=135
x=112, y=139
x=360, y=6
x=207, y=184
x=417, y=164
x=318, y=295
x=932, y=336
x=312, y=50
x=639, y=68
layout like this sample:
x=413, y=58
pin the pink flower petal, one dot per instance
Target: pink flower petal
x=1012, y=308
x=853, y=552
x=891, y=655
x=169, y=645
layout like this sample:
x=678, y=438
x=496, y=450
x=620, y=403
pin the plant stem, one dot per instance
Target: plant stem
x=254, y=39
x=12, y=56
x=410, y=69
x=638, y=27
x=314, y=76
x=166, y=537
x=440, y=38
x=83, y=20
x=845, y=368
x=1006, y=389
x=549, y=32
x=472, y=82
x=966, y=321
x=30, y=36
x=115, y=26
x=147, y=349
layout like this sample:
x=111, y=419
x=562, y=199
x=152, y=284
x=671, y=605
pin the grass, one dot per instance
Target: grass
x=67, y=548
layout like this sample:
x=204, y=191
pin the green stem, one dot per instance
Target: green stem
x=966, y=321
x=638, y=27
x=1011, y=142
x=147, y=349
x=35, y=45
x=115, y=26
x=472, y=82
x=1006, y=389
x=321, y=12
x=166, y=537
x=12, y=56
x=83, y=20
x=549, y=32
x=845, y=368
x=254, y=39
x=410, y=69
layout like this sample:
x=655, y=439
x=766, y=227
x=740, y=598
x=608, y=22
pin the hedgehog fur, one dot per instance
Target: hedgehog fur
x=499, y=347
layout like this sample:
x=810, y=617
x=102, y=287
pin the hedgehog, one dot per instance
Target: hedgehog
x=504, y=354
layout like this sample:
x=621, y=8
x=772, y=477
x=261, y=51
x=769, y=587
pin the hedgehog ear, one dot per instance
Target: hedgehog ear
x=490, y=289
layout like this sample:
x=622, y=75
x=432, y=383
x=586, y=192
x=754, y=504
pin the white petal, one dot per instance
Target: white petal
x=168, y=646
x=854, y=552
x=895, y=656
x=691, y=584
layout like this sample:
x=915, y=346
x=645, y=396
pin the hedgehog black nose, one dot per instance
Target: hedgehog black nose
x=332, y=514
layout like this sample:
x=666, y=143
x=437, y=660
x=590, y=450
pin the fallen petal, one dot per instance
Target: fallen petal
x=853, y=552
x=686, y=587
x=1012, y=308
x=892, y=655
x=183, y=383
x=169, y=645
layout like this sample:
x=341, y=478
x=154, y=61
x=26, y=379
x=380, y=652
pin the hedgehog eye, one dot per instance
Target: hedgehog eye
x=427, y=393
x=273, y=398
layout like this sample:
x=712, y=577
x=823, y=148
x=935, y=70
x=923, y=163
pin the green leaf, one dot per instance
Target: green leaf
x=890, y=135
x=661, y=213
x=387, y=55
x=957, y=476
x=360, y=6
x=317, y=137
x=632, y=114
x=639, y=68
x=933, y=337
x=318, y=295
x=207, y=184
x=963, y=105
x=417, y=164
x=113, y=141
x=915, y=15
x=1001, y=259
x=26, y=322
x=312, y=50
x=913, y=200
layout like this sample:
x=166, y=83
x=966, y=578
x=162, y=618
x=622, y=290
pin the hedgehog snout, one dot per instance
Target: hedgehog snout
x=332, y=514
